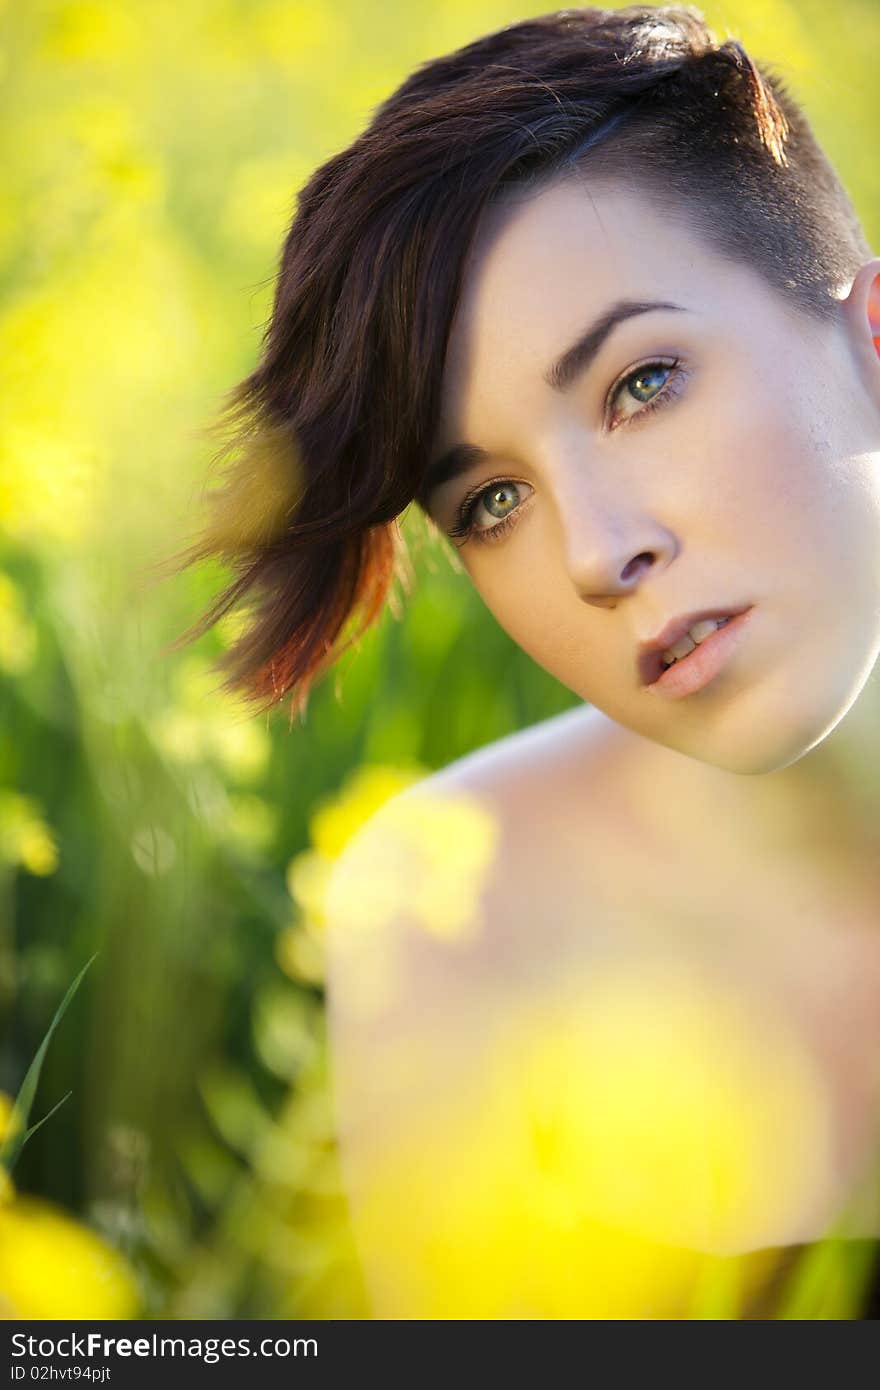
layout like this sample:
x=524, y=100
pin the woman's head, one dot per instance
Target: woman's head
x=507, y=197
x=661, y=434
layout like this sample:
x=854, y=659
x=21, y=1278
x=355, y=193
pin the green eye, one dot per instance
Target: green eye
x=648, y=380
x=501, y=500
x=644, y=389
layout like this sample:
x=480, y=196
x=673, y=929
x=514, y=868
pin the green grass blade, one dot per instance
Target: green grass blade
x=17, y=1133
x=57, y=1106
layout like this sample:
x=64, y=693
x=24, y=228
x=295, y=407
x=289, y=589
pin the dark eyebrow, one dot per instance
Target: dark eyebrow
x=459, y=459
x=563, y=373
x=578, y=357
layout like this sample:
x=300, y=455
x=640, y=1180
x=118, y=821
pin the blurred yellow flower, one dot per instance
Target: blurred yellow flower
x=616, y=1149
x=54, y=491
x=180, y=735
x=298, y=35
x=300, y=954
x=91, y=31
x=424, y=860
x=38, y=852
x=287, y=1029
x=242, y=747
x=307, y=877
x=203, y=722
x=260, y=198
x=7, y=1111
x=72, y=440
x=18, y=636
x=25, y=838
x=661, y=1101
x=9, y=1123
x=335, y=821
x=53, y=1267
x=300, y=947
x=420, y=865
x=252, y=823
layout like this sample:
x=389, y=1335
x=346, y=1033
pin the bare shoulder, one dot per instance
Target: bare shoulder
x=453, y=877
x=548, y=781
x=509, y=807
x=557, y=754
x=444, y=913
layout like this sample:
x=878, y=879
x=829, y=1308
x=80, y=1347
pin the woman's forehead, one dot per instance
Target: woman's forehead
x=548, y=268
x=546, y=265
x=571, y=248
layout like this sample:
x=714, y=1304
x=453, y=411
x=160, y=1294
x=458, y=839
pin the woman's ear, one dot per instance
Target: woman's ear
x=862, y=309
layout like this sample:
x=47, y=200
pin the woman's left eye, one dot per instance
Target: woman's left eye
x=643, y=389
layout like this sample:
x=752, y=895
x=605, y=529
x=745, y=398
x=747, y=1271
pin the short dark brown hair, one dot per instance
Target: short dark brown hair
x=331, y=433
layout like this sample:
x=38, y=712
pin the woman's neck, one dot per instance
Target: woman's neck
x=826, y=805
x=844, y=766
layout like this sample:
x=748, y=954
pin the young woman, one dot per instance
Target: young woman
x=605, y=996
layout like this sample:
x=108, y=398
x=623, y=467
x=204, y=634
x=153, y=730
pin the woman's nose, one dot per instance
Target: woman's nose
x=608, y=554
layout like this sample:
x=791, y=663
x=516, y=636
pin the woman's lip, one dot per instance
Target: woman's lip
x=694, y=671
x=650, y=656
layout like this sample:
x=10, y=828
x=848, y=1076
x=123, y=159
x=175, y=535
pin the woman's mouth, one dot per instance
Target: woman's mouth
x=698, y=656
x=692, y=638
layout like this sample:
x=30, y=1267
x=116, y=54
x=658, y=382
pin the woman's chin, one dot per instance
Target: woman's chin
x=765, y=727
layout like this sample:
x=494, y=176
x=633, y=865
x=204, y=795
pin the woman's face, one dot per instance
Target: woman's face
x=720, y=453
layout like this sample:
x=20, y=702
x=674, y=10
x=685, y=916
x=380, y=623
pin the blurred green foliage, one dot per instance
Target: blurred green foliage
x=152, y=154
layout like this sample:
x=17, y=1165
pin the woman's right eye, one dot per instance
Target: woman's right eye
x=488, y=512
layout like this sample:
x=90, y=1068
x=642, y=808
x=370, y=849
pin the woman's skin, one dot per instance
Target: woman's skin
x=623, y=870
x=757, y=480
